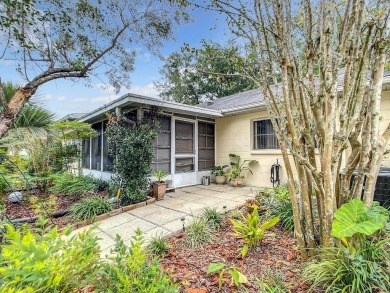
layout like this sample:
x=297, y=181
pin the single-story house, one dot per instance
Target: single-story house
x=195, y=138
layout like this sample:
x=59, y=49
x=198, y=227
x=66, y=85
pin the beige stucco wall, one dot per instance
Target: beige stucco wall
x=234, y=135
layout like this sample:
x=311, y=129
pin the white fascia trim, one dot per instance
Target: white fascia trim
x=131, y=98
x=245, y=109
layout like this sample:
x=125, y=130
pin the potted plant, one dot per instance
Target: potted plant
x=237, y=170
x=159, y=187
x=219, y=173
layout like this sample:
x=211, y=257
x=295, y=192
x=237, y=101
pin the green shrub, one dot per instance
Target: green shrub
x=91, y=207
x=72, y=185
x=158, y=245
x=251, y=231
x=132, y=147
x=129, y=270
x=130, y=196
x=212, y=217
x=198, y=233
x=101, y=185
x=47, y=263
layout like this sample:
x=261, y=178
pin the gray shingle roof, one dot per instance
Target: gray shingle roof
x=252, y=98
x=245, y=99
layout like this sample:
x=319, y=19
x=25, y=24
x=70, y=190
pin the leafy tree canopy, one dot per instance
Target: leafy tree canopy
x=51, y=39
x=192, y=76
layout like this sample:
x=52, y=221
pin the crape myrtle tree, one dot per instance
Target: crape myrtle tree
x=51, y=39
x=320, y=71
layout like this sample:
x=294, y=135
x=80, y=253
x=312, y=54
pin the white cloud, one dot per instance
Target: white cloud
x=146, y=90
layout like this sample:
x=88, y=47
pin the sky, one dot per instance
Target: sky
x=64, y=97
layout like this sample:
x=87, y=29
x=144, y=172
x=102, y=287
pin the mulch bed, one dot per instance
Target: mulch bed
x=24, y=210
x=188, y=266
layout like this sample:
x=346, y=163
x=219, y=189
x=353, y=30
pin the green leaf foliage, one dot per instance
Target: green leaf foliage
x=83, y=35
x=338, y=270
x=251, y=230
x=72, y=185
x=237, y=278
x=215, y=267
x=130, y=271
x=51, y=262
x=131, y=144
x=187, y=74
x=355, y=217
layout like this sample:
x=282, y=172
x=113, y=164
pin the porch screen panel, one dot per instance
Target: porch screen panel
x=107, y=158
x=206, y=146
x=184, y=165
x=96, y=147
x=162, y=147
x=184, y=137
x=85, y=162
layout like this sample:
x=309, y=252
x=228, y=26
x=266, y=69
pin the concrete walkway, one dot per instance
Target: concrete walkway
x=164, y=217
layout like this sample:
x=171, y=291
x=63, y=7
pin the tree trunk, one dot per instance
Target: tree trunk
x=10, y=112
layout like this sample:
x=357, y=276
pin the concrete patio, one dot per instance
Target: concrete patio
x=164, y=217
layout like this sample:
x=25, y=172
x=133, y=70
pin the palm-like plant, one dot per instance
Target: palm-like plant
x=33, y=118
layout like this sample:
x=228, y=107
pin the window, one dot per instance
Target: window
x=264, y=135
x=162, y=147
x=206, y=148
x=96, y=148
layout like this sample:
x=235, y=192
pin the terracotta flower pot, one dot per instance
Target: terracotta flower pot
x=159, y=190
x=220, y=179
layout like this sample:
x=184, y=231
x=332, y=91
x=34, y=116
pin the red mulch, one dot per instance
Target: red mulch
x=188, y=266
x=24, y=210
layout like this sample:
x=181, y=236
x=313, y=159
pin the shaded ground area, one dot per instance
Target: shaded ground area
x=276, y=255
x=164, y=217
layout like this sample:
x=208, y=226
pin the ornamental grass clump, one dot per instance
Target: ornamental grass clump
x=158, y=245
x=91, y=207
x=198, y=233
x=212, y=217
x=72, y=185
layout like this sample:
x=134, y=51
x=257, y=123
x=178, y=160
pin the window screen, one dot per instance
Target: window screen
x=264, y=135
x=184, y=165
x=96, y=148
x=162, y=147
x=184, y=137
x=206, y=147
x=107, y=159
x=86, y=155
